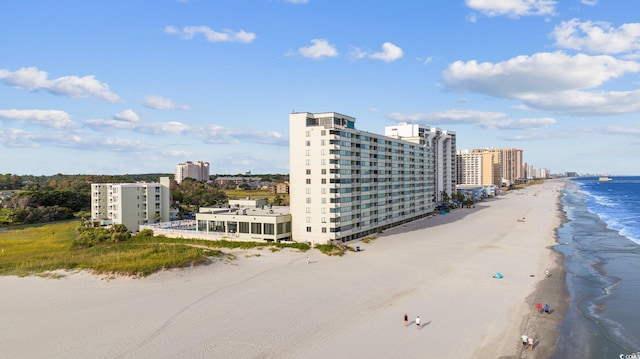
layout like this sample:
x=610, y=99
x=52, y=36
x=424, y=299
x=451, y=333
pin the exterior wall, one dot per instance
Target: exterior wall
x=469, y=168
x=475, y=168
x=252, y=203
x=199, y=171
x=346, y=183
x=443, y=147
x=130, y=204
x=246, y=224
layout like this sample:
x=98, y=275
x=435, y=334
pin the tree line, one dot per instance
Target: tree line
x=36, y=199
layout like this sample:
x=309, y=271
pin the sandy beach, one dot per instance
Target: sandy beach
x=276, y=305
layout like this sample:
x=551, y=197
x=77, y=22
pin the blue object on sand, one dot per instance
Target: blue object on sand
x=498, y=275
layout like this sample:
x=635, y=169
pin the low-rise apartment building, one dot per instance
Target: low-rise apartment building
x=130, y=204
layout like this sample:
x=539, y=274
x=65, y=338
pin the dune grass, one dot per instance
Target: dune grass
x=40, y=248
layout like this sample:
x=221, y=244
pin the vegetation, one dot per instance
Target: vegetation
x=38, y=249
x=330, y=249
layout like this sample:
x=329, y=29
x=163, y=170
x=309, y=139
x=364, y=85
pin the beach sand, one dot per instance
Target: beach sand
x=276, y=305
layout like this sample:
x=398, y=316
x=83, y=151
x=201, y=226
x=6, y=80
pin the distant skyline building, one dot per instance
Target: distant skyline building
x=346, y=183
x=131, y=204
x=199, y=171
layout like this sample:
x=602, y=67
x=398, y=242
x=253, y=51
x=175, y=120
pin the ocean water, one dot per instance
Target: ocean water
x=601, y=244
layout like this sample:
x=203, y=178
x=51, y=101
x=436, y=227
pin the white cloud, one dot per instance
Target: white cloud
x=512, y=8
x=101, y=124
x=297, y=1
x=586, y=103
x=48, y=118
x=161, y=103
x=448, y=117
x=320, y=48
x=357, y=54
x=220, y=135
x=589, y=2
x=127, y=115
x=597, y=37
x=390, y=53
x=22, y=139
x=484, y=119
x=519, y=124
x=188, y=32
x=540, y=73
x=32, y=79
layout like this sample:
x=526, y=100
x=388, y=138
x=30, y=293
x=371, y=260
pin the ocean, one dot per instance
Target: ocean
x=601, y=244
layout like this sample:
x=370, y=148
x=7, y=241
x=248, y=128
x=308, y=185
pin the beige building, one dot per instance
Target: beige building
x=131, y=204
x=476, y=168
x=511, y=164
x=347, y=184
x=199, y=171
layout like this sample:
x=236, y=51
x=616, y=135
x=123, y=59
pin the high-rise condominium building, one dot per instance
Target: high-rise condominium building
x=199, y=171
x=511, y=165
x=443, y=146
x=346, y=183
x=476, y=168
x=131, y=204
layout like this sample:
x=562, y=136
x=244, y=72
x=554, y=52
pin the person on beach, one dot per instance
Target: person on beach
x=546, y=309
x=406, y=319
x=539, y=307
x=308, y=260
x=525, y=342
x=530, y=343
x=546, y=273
x=418, y=322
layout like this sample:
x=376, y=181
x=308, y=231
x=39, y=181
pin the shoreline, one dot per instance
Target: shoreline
x=553, y=291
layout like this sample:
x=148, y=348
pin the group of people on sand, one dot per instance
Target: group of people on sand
x=527, y=342
x=406, y=321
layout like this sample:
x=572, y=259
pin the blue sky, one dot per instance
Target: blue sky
x=115, y=87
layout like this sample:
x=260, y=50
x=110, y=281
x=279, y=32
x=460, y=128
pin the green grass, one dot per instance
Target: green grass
x=40, y=248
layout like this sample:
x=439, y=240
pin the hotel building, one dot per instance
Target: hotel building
x=511, y=165
x=477, y=168
x=199, y=171
x=131, y=204
x=346, y=184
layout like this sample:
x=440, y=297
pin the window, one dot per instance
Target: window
x=269, y=228
x=256, y=228
x=323, y=191
x=324, y=181
x=308, y=200
x=323, y=162
x=307, y=133
x=307, y=162
x=308, y=171
x=308, y=180
x=307, y=152
x=308, y=190
x=324, y=229
x=244, y=227
x=308, y=210
x=308, y=219
x=307, y=142
x=308, y=229
x=324, y=171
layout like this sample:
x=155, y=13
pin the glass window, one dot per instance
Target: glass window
x=269, y=228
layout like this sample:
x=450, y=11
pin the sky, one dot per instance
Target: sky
x=127, y=87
